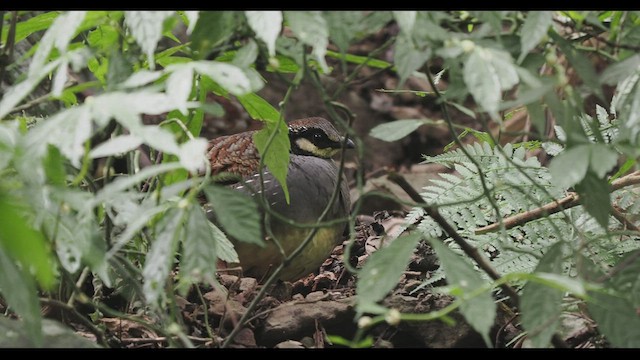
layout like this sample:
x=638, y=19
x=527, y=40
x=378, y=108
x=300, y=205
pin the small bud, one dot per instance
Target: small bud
x=183, y=204
x=364, y=322
x=393, y=317
x=273, y=61
x=467, y=45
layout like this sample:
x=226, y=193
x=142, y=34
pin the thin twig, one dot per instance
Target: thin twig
x=569, y=201
x=468, y=249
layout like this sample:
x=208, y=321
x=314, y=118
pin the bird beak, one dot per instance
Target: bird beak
x=350, y=144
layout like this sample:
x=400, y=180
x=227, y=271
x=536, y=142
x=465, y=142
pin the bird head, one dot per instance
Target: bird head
x=316, y=136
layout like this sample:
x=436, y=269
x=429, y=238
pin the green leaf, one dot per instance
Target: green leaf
x=276, y=158
x=55, y=335
x=30, y=26
x=594, y=192
x=395, y=130
x=160, y=258
x=487, y=73
x=355, y=59
x=230, y=77
x=247, y=55
x=626, y=280
x=480, y=311
x=24, y=244
x=54, y=167
x=405, y=20
x=237, y=213
x=343, y=27
x=199, y=259
x=59, y=35
x=16, y=93
x=311, y=28
x=541, y=305
x=408, y=58
x=20, y=293
x=146, y=28
x=258, y=108
x=267, y=26
x=383, y=269
x=116, y=146
x=212, y=28
x=603, y=159
x=617, y=319
x=538, y=119
x=617, y=72
x=570, y=166
x=179, y=86
x=533, y=30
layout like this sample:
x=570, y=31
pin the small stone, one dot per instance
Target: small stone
x=290, y=344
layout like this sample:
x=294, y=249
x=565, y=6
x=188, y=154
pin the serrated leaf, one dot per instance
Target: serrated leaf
x=276, y=158
x=383, y=269
x=230, y=77
x=146, y=28
x=408, y=58
x=603, y=159
x=225, y=249
x=617, y=72
x=311, y=28
x=395, y=130
x=487, y=73
x=160, y=258
x=198, y=263
x=594, y=192
x=237, y=213
x=20, y=293
x=59, y=35
x=212, y=28
x=533, y=30
x=479, y=311
x=405, y=20
x=116, y=146
x=570, y=166
x=267, y=26
x=541, y=305
x=617, y=319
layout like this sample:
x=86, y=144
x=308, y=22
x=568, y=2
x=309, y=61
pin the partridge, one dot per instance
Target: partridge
x=311, y=178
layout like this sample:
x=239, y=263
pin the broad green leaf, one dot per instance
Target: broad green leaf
x=178, y=87
x=230, y=77
x=541, y=305
x=465, y=110
x=192, y=155
x=157, y=138
x=160, y=258
x=626, y=103
x=570, y=166
x=20, y=293
x=395, y=130
x=538, y=119
x=594, y=192
x=405, y=20
x=258, y=108
x=343, y=27
x=603, y=159
x=383, y=269
x=198, y=263
x=30, y=26
x=408, y=58
x=311, y=28
x=225, y=250
x=355, y=59
x=116, y=146
x=146, y=28
x=276, y=158
x=617, y=72
x=141, y=78
x=237, y=213
x=212, y=28
x=487, y=73
x=59, y=35
x=54, y=166
x=24, y=244
x=192, y=16
x=617, y=319
x=267, y=26
x=533, y=30
x=480, y=311
x=247, y=55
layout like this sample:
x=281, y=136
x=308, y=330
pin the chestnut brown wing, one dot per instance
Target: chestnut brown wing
x=234, y=154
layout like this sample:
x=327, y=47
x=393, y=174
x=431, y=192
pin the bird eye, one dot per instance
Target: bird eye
x=317, y=136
